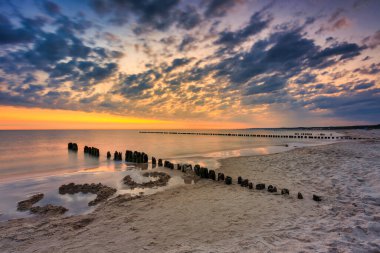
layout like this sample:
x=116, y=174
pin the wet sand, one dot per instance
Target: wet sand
x=213, y=217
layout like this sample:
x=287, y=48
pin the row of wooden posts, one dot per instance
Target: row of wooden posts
x=130, y=156
x=72, y=146
x=91, y=151
x=255, y=135
x=202, y=172
x=87, y=150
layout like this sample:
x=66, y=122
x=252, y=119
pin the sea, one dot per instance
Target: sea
x=38, y=161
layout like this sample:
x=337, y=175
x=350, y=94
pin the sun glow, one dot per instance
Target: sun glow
x=36, y=118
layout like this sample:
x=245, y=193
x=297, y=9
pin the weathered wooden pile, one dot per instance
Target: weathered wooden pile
x=205, y=173
x=185, y=167
x=130, y=156
x=136, y=157
x=91, y=151
x=72, y=146
x=168, y=165
x=117, y=156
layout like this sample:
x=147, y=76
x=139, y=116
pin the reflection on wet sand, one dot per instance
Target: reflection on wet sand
x=110, y=175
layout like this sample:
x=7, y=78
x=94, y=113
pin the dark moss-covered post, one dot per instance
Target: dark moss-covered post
x=212, y=175
x=260, y=186
x=244, y=183
x=204, y=172
x=145, y=158
x=272, y=188
x=284, y=191
x=317, y=198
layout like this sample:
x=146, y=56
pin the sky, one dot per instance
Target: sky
x=156, y=64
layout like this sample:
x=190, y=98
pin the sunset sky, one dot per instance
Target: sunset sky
x=188, y=64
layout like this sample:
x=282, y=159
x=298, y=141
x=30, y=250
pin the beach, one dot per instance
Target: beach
x=178, y=126
x=210, y=216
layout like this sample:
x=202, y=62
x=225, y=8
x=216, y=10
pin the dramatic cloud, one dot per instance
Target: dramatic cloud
x=177, y=63
x=11, y=35
x=363, y=86
x=61, y=53
x=133, y=86
x=256, y=24
x=189, y=18
x=266, y=85
x=372, y=41
x=373, y=69
x=51, y=8
x=186, y=43
x=156, y=15
x=344, y=50
x=335, y=22
x=364, y=104
x=306, y=78
x=220, y=60
x=286, y=52
x=153, y=13
x=219, y=8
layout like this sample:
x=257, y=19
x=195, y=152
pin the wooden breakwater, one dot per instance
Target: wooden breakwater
x=205, y=173
x=202, y=172
x=259, y=135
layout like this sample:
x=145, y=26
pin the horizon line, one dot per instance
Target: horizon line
x=248, y=128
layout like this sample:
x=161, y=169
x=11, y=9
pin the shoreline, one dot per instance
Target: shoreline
x=41, y=165
x=108, y=172
x=211, y=216
x=106, y=163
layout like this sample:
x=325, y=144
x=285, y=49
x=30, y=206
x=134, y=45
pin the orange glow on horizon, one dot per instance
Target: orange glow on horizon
x=20, y=118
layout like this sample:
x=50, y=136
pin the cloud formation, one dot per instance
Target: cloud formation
x=256, y=24
x=218, y=60
x=11, y=35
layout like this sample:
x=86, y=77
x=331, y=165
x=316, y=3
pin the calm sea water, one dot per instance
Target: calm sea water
x=38, y=161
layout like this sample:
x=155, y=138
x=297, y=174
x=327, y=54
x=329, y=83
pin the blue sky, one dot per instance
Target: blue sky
x=249, y=63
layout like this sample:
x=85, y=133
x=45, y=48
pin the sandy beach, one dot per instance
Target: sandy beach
x=180, y=126
x=211, y=216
